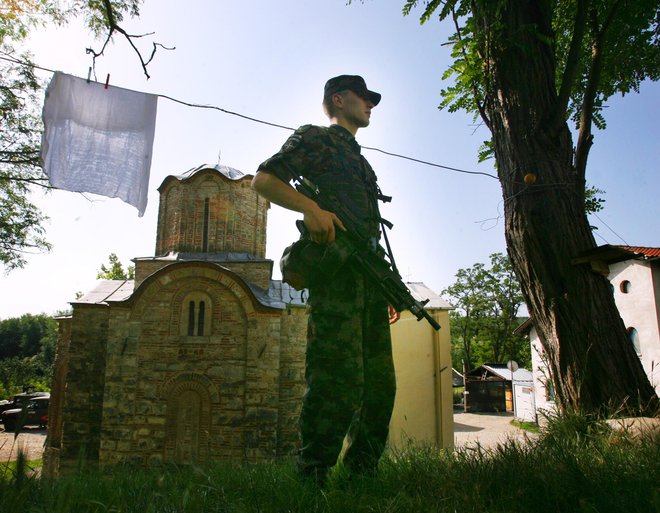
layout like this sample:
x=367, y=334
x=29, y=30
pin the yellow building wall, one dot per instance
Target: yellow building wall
x=423, y=409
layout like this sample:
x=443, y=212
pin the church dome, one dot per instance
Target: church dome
x=211, y=209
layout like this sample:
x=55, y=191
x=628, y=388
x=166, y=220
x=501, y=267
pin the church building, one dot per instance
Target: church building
x=201, y=357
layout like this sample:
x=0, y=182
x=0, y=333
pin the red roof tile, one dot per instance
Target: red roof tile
x=648, y=252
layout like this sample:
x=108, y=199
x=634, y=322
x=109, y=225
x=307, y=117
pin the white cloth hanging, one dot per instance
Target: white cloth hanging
x=98, y=139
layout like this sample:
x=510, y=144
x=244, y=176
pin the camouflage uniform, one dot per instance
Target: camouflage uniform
x=349, y=370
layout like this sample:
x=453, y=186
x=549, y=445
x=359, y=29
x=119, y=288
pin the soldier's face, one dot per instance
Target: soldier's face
x=356, y=110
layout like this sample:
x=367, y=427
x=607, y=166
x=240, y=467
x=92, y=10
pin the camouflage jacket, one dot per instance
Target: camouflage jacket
x=330, y=158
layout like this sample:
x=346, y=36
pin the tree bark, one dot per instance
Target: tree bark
x=590, y=355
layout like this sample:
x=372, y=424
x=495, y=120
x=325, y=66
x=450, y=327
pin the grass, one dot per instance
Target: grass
x=8, y=469
x=532, y=427
x=575, y=465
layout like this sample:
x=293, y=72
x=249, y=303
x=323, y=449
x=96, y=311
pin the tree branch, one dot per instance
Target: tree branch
x=572, y=61
x=475, y=91
x=585, y=137
x=113, y=26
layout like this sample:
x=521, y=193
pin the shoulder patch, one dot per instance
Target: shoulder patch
x=304, y=132
x=291, y=143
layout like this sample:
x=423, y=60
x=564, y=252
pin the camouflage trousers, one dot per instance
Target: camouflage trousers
x=349, y=374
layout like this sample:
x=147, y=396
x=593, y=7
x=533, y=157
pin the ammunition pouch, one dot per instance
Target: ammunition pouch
x=307, y=264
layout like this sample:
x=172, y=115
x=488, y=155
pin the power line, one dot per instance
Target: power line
x=268, y=123
x=431, y=163
x=610, y=228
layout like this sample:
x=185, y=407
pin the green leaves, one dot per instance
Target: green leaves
x=27, y=352
x=115, y=271
x=21, y=221
x=487, y=301
x=21, y=229
x=627, y=33
x=593, y=202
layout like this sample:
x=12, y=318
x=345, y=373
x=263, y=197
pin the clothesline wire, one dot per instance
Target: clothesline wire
x=276, y=125
x=213, y=107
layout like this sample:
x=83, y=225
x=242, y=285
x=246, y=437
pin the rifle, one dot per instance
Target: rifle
x=377, y=269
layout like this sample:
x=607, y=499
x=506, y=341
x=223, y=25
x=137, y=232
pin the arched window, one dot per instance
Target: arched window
x=625, y=286
x=634, y=338
x=200, y=318
x=196, y=321
x=191, y=318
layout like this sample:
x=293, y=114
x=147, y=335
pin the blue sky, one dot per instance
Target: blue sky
x=269, y=60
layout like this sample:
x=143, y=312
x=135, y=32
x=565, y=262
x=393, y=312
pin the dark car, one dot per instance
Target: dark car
x=34, y=413
x=20, y=400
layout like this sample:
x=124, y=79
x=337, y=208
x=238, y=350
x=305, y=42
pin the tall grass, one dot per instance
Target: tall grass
x=575, y=465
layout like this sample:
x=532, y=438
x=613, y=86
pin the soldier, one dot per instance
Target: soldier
x=348, y=371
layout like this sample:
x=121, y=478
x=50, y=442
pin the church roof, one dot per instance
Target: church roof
x=278, y=295
x=285, y=294
x=107, y=290
x=228, y=172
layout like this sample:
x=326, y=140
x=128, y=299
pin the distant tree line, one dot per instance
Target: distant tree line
x=27, y=353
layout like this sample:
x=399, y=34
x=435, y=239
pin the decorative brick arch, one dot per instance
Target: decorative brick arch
x=188, y=417
x=152, y=288
x=174, y=383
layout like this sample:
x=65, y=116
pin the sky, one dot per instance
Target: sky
x=269, y=60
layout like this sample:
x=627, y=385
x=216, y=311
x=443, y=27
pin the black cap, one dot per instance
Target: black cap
x=353, y=83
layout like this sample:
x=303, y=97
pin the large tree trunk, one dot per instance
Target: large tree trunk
x=589, y=353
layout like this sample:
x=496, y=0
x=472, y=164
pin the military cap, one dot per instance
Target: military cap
x=353, y=83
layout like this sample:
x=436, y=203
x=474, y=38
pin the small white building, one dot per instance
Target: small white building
x=495, y=387
x=543, y=388
x=634, y=273
x=636, y=286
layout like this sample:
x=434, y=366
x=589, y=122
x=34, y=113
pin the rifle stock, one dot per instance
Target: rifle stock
x=375, y=267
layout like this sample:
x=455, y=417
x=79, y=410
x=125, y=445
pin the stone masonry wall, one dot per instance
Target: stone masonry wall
x=145, y=268
x=174, y=397
x=257, y=272
x=236, y=218
x=56, y=405
x=293, y=343
x=83, y=401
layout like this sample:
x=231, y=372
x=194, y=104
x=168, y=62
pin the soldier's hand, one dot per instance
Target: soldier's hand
x=393, y=314
x=321, y=225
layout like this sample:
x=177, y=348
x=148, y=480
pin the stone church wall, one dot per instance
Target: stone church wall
x=211, y=213
x=293, y=342
x=174, y=397
x=83, y=400
x=258, y=273
x=56, y=405
x=190, y=367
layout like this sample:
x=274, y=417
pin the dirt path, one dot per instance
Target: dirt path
x=31, y=441
x=485, y=429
